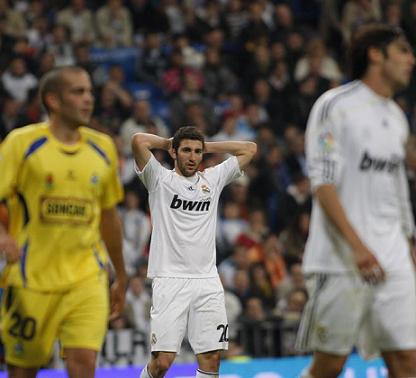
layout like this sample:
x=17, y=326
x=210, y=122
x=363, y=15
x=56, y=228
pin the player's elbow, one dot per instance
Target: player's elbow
x=251, y=148
x=138, y=140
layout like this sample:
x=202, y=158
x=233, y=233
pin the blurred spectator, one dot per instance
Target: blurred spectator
x=191, y=56
x=291, y=315
x=210, y=16
x=173, y=80
x=15, y=24
x=358, y=12
x=409, y=20
x=239, y=260
x=9, y=116
x=114, y=25
x=136, y=231
x=37, y=33
x=190, y=93
x=17, y=81
x=261, y=285
x=153, y=61
x=78, y=19
x=218, y=78
x=229, y=129
x=294, y=280
x=175, y=16
x=147, y=17
x=139, y=122
x=317, y=61
x=230, y=226
x=60, y=46
x=256, y=32
x=138, y=299
x=295, y=156
x=236, y=18
x=273, y=260
x=110, y=111
x=293, y=238
x=115, y=84
x=45, y=63
x=259, y=67
x=241, y=286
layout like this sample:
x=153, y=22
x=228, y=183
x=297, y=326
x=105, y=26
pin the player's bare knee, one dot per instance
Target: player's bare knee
x=161, y=364
x=331, y=369
x=209, y=361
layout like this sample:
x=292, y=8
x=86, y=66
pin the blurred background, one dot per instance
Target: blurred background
x=236, y=69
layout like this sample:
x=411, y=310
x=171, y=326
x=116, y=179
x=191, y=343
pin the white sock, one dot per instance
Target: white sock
x=145, y=373
x=305, y=374
x=206, y=374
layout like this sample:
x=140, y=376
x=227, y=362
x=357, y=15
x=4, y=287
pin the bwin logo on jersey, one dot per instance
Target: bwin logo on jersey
x=189, y=205
x=377, y=164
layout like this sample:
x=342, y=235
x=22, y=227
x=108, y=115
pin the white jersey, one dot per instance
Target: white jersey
x=184, y=215
x=355, y=140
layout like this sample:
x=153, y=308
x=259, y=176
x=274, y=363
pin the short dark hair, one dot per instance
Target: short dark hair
x=371, y=35
x=187, y=132
x=54, y=82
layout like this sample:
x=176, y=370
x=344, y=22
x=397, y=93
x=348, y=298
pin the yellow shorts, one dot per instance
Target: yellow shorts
x=32, y=321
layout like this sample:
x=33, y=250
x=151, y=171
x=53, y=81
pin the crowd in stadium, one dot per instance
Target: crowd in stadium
x=236, y=69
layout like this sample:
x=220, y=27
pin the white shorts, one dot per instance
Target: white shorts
x=195, y=306
x=343, y=312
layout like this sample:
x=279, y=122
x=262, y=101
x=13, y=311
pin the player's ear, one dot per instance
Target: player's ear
x=375, y=55
x=172, y=153
x=52, y=100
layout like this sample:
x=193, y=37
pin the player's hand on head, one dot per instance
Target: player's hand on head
x=368, y=266
x=117, y=297
x=9, y=249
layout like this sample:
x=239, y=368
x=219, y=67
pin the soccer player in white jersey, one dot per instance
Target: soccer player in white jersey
x=187, y=292
x=357, y=262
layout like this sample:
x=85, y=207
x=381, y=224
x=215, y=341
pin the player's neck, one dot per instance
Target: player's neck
x=378, y=85
x=63, y=133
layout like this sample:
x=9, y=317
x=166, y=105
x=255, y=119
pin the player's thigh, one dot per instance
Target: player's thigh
x=84, y=311
x=393, y=313
x=333, y=313
x=208, y=325
x=30, y=324
x=171, y=299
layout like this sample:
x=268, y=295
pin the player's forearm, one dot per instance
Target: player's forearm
x=236, y=148
x=150, y=141
x=111, y=234
x=328, y=199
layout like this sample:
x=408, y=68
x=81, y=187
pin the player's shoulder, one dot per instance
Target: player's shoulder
x=36, y=133
x=96, y=136
x=338, y=98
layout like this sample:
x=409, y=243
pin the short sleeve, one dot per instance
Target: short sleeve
x=11, y=158
x=323, y=144
x=225, y=172
x=151, y=173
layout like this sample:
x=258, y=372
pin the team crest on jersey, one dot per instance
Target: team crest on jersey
x=326, y=142
x=49, y=181
x=205, y=188
x=94, y=179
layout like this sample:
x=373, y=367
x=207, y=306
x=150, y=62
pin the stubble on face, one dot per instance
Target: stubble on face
x=399, y=64
x=76, y=99
x=189, y=157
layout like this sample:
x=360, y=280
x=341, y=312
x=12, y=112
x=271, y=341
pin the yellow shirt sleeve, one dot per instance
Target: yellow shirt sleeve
x=10, y=160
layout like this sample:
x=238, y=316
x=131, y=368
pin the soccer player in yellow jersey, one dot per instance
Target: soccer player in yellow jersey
x=64, y=177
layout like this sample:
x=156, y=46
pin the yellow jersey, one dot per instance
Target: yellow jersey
x=58, y=191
